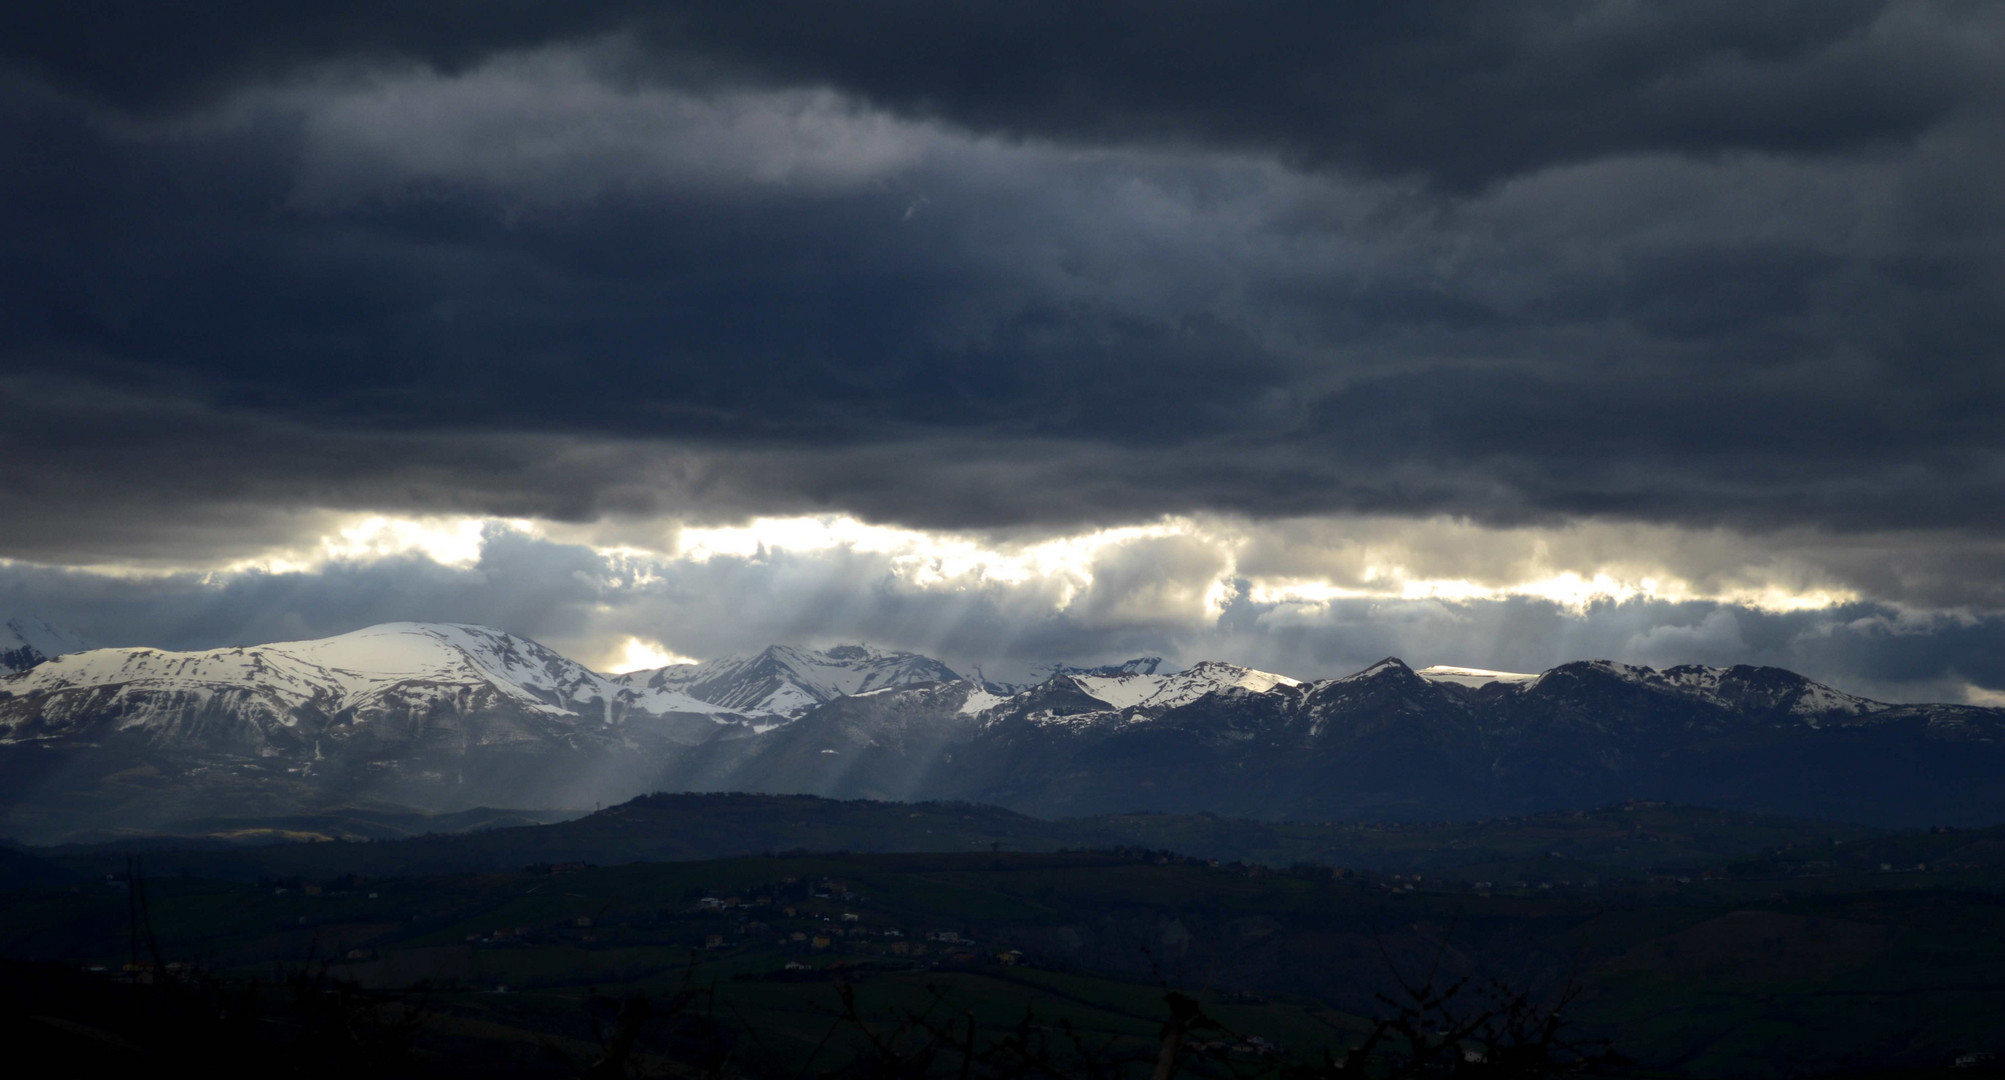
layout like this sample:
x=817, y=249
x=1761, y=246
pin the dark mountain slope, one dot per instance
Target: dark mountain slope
x=1390, y=743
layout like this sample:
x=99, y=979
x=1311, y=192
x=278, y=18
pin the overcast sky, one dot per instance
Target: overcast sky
x=1294, y=335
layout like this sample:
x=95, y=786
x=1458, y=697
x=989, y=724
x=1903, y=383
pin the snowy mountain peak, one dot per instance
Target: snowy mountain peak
x=787, y=680
x=1747, y=686
x=390, y=670
x=442, y=650
x=1742, y=687
x=1149, y=690
x=460, y=653
x=1391, y=665
x=26, y=641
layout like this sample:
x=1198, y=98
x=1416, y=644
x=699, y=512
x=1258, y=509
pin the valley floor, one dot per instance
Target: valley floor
x=1788, y=962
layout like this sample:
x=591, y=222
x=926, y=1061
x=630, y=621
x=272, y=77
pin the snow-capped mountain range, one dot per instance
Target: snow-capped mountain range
x=260, y=698
x=450, y=715
x=1386, y=742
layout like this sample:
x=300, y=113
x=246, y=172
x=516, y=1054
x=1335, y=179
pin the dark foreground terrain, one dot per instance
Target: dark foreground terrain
x=1679, y=942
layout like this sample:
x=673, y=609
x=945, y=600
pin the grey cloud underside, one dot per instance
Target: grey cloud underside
x=1706, y=264
x=109, y=480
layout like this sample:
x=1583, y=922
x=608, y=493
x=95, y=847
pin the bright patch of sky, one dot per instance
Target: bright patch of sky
x=1379, y=565
x=638, y=654
x=928, y=560
x=1974, y=694
x=448, y=541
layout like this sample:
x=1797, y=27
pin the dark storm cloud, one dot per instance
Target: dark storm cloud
x=1462, y=94
x=729, y=317
x=1002, y=267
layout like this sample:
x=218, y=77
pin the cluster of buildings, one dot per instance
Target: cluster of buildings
x=809, y=928
x=804, y=920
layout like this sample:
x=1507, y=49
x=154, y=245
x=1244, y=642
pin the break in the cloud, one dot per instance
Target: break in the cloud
x=1660, y=332
x=1306, y=598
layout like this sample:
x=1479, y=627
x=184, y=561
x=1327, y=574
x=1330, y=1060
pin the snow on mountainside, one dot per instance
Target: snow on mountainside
x=394, y=668
x=25, y=642
x=981, y=699
x=1169, y=691
x=454, y=716
x=1134, y=697
x=786, y=681
x=455, y=653
x=1741, y=687
x=1388, y=741
x=403, y=669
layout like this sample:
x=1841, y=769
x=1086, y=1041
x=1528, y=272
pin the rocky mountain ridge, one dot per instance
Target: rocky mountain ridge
x=1392, y=742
